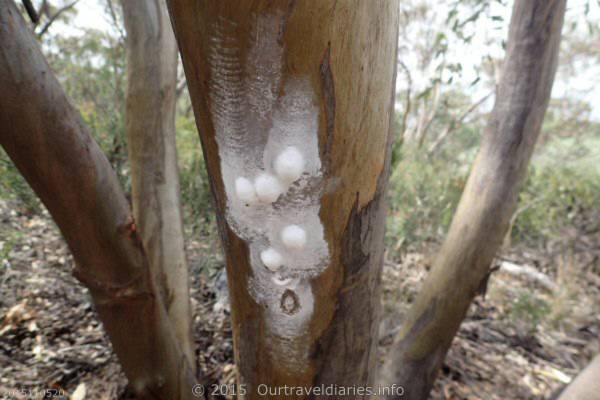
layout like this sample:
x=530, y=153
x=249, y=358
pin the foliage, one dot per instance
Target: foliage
x=8, y=240
x=562, y=188
x=195, y=187
x=423, y=196
x=14, y=187
x=528, y=311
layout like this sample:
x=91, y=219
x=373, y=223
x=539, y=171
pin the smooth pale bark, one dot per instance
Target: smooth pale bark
x=242, y=61
x=586, y=386
x=151, y=84
x=50, y=145
x=488, y=201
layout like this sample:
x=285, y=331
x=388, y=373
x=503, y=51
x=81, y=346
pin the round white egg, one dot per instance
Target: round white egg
x=267, y=188
x=272, y=259
x=293, y=237
x=289, y=164
x=245, y=190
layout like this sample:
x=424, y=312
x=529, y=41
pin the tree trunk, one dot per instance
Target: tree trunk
x=294, y=104
x=488, y=201
x=151, y=84
x=586, y=386
x=48, y=142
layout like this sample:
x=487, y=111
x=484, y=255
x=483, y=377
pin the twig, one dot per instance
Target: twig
x=113, y=15
x=54, y=17
x=454, y=124
x=408, y=104
x=428, y=116
x=180, y=87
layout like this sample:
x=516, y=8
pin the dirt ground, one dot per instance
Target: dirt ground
x=524, y=339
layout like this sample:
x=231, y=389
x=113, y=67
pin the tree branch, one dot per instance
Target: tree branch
x=455, y=123
x=150, y=128
x=408, y=102
x=487, y=203
x=33, y=15
x=55, y=17
x=53, y=149
x=113, y=16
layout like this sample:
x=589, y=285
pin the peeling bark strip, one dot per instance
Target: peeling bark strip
x=53, y=150
x=488, y=200
x=151, y=85
x=298, y=171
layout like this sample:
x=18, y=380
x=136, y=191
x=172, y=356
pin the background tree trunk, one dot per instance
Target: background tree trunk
x=48, y=142
x=586, y=386
x=488, y=201
x=151, y=84
x=319, y=77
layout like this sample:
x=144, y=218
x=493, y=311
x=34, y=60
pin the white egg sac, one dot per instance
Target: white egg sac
x=245, y=190
x=267, y=188
x=293, y=237
x=289, y=165
x=272, y=259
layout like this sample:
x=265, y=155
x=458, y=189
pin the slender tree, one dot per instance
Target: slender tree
x=50, y=145
x=294, y=103
x=488, y=201
x=150, y=120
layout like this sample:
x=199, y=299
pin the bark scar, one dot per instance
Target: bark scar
x=328, y=92
x=111, y=293
x=129, y=227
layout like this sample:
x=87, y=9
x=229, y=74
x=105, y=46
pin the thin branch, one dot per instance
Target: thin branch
x=113, y=16
x=33, y=15
x=54, y=18
x=408, y=103
x=43, y=8
x=181, y=85
x=454, y=124
x=428, y=115
x=428, y=119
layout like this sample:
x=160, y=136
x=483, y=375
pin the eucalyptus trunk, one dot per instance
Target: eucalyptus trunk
x=294, y=105
x=150, y=122
x=586, y=385
x=50, y=145
x=488, y=201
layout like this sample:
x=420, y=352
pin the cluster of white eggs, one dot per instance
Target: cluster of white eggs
x=266, y=188
x=293, y=238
